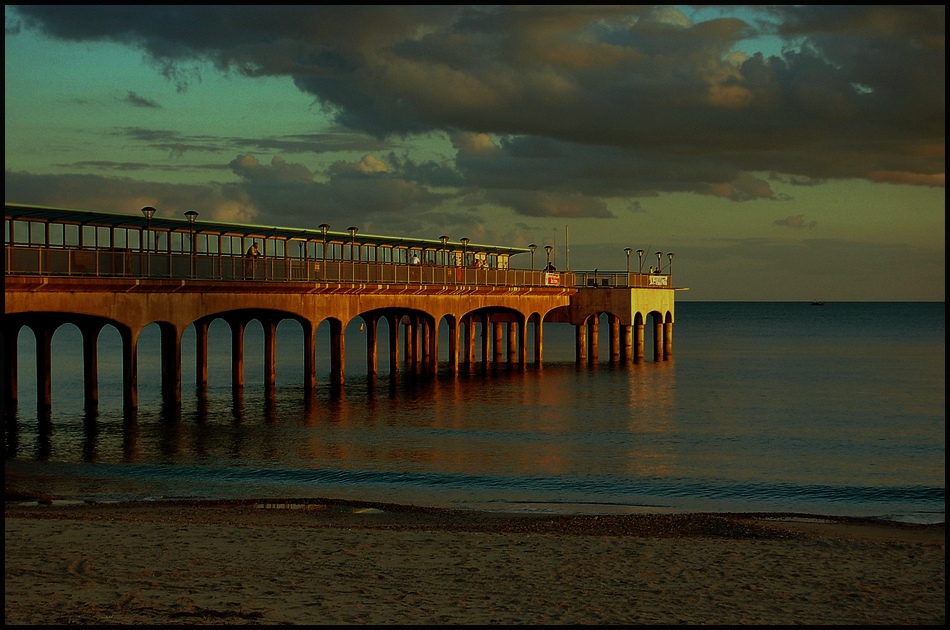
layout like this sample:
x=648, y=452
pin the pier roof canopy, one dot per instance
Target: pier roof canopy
x=138, y=221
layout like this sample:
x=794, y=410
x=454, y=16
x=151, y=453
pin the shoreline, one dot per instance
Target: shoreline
x=269, y=561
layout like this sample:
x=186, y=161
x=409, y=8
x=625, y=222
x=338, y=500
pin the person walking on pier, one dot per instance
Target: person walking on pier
x=251, y=256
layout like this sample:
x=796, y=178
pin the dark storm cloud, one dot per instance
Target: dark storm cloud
x=140, y=101
x=560, y=108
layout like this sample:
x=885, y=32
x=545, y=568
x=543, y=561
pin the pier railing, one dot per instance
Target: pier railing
x=119, y=262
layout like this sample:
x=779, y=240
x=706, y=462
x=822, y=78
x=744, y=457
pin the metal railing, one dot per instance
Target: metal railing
x=114, y=262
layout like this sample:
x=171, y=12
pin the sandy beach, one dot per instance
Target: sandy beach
x=323, y=562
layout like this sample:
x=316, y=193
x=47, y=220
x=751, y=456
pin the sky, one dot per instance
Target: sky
x=780, y=152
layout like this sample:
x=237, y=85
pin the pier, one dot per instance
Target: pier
x=95, y=269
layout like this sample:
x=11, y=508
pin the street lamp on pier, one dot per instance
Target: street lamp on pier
x=627, y=250
x=547, y=250
x=659, y=258
x=323, y=229
x=464, y=241
x=192, y=215
x=444, y=239
x=640, y=253
x=148, y=211
x=671, y=266
x=353, y=230
x=532, y=247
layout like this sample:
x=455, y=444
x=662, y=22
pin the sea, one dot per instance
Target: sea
x=780, y=407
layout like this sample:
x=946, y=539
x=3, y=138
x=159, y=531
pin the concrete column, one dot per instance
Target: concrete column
x=614, y=338
x=432, y=348
x=593, y=339
x=237, y=355
x=657, y=339
x=580, y=343
x=486, y=339
x=522, y=342
x=171, y=363
x=11, y=336
x=130, y=368
x=201, y=356
x=90, y=364
x=372, y=351
x=497, y=341
x=44, y=362
x=667, y=341
x=538, y=341
x=626, y=347
x=638, y=343
x=393, y=344
x=309, y=358
x=469, y=340
x=453, y=345
x=270, y=356
x=337, y=353
x=512, y=342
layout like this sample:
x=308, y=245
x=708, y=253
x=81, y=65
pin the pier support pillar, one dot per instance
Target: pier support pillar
x=639, y=342
x=90, y=364
x=130, y=369
x=201, y=356
x=614, y=322
x=538, y=340
x=337, y=353
x=593, y=339
x=626, y=347
x=44, y=362
x=11, y=336
x=309, y=358
x=237, y=355
x=171, y=363
x=580, y=343
x=372, y=352
x=486, y=339
x=453, y=344
x=270, y=357
x=667, y=341
x=657, y=338
x=393, y=344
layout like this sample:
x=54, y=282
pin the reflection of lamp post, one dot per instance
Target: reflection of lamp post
x=532, y=247
x=192, y=215
x=627, y=250
x=444, y=239
x=671, y=266
x=323, y=228
x=547, y=250
x=640, y=253
x=353, y=230
x=148, y=211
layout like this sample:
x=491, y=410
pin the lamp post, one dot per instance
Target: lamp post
x=659, y=257
x=640, y=253
x=465, y=241
x=444, y=239
x=547, y=250
x=323, y=228
x=353, y=230
x=627, y=250
x=532, y=247
x=192, y=215
x=148, y=211
x=671, y=266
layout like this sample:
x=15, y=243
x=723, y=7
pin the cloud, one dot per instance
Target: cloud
x=139, y=101
x=796, y=222
x=553, y=111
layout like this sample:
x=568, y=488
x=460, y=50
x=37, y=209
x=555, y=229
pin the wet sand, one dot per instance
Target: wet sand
x=325, y=561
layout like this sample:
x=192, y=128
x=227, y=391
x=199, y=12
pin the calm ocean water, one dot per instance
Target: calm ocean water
x=780, y=407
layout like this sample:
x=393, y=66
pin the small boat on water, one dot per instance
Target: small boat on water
x=817, y=303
